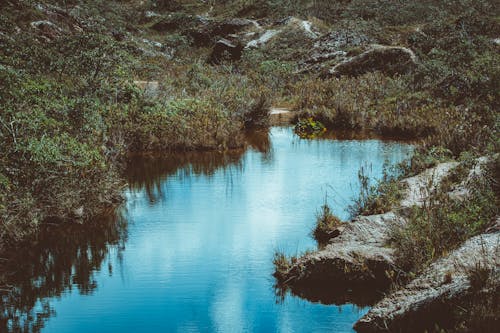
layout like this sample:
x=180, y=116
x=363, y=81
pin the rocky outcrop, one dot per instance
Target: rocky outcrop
x=420, y=187
x=359, y=256
x=430, y=297
x=356, y=257
x=298, y=26
x=334, y=47
x=262, y=39
x=387, y=59
x=225, y=50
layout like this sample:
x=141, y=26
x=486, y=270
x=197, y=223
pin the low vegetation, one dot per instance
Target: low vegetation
x=326, y=224
x=71, y=106
x=442, y=223
x=377, y=198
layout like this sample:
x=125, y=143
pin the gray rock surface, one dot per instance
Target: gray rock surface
x=443, y=282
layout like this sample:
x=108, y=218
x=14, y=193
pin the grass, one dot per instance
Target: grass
x=441, y=224
x=326, y=224
x=481, y=311
x=377, y=198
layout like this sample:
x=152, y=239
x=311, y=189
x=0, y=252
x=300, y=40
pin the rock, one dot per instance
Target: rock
x=225, y=50
x=262, y=40
x=154, y=44
x=150, y=15
x=150, y=88
x=305, y=26
x=461, y=191
x=359, y=257
x=334, y=47
x=356, y=257
x=432, y=296
x=293, y=24
x=341, y=39
x=67, y=21
x=387, y=59
x=419, y=187
x=47, y=29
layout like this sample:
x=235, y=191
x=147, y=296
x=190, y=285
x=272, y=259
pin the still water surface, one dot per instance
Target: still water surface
x=192, y=251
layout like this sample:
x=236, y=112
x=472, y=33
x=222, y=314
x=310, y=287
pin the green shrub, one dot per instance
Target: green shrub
x=309, y=128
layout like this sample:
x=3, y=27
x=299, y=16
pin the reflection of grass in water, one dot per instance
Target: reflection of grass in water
x=60, y=258
x=149, y=171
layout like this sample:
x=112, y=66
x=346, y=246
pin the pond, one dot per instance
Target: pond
x=191, y=249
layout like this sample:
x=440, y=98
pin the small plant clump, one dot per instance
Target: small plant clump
x=309, y=128
x=327, y=225
x=281, y=264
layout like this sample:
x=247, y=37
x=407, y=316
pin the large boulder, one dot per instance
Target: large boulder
x=387, y=59
x=225, y=50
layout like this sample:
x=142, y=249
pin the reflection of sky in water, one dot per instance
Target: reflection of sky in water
x=199, y=257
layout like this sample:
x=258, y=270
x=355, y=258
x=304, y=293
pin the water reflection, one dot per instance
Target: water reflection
x=200, y=234
x=59, y=260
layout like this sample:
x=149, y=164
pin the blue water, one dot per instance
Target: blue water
x=201, y=230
